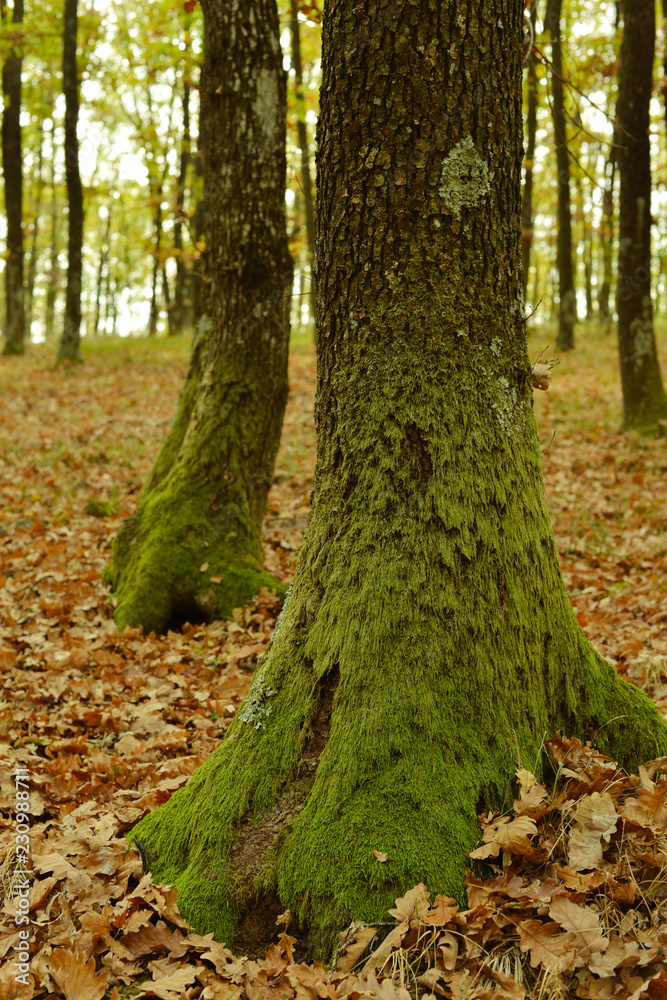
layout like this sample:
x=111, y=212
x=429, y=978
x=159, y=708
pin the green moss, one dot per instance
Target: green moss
x=429, y=580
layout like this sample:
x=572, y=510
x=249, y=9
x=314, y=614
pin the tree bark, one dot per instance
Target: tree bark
x=428, y=636
x=70, y=343
x=304, y=148
x=567, y=314
x=644, y=398
x=531, y=131
x=12, y=165
x=205, y=499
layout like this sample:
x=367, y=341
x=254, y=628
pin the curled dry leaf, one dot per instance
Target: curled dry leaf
x=595, y=822
x=541, y=373
x=361, y=938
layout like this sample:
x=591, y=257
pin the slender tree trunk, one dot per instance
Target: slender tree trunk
x=644, y=399
x=53, y=276
x=154, y=313
x=664, y=56
x=104, y=256
x=302, y=133
x=428, y=636
x=181, y=309
x=36, y=210
x=607, y=236
x=531, y=130
x=567, y=316
x=205, y=499
x=69, y=345
x=198, y=282
x=12, y=165
x=586, y=249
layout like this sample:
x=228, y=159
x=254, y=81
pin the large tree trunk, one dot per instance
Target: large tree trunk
x=531, y=131
x=567, y=316
x=304, y=148
x=69, y=344
x=644, y=399
x=15, y=326
x=428, y=638
x=204, y=502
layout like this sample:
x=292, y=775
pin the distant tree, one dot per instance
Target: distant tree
x=306, y=183
x=428, y=640
x=193, y=548
x=567, y=314
x=644, y=398
x=531, y=132
x=69, y=345
x=606, y=236
x=15, y=325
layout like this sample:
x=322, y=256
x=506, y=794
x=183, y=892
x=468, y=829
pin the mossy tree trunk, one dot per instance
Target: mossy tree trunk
x=193, y=547
x=644, y=399
x=567, y=309
x=12, y=169
x=69, y=348
x=428, y=639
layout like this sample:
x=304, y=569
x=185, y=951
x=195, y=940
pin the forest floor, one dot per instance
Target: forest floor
x=108, y=726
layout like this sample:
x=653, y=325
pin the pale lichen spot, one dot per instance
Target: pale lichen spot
x=641, y=332
x=265, y=104
x=465, y=178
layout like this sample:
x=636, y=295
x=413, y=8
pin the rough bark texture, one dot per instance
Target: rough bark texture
x=567, y=315
x=69, y=344
x=12, y=166
x=644, y=399
x=205, y=499
x=531, y=131
x=428, y=638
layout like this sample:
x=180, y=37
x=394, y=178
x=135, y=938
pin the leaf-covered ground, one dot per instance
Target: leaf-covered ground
x=109, y=726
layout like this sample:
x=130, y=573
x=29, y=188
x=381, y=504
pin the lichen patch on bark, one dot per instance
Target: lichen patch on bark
x=465, y=178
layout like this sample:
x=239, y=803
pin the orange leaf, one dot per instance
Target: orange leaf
x=75, y=977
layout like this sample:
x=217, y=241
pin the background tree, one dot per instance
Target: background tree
x=307, y=190
x=428, y=636
x=69, y=345
x=193, y=547
x=567, y=313
x=644, y=399
x=12, y=168
x=531, y=130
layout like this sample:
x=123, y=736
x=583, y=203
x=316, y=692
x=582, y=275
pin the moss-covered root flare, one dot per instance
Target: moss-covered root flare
x=171, y=563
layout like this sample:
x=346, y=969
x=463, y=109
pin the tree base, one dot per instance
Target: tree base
x=171, y=564
x=310, y=781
